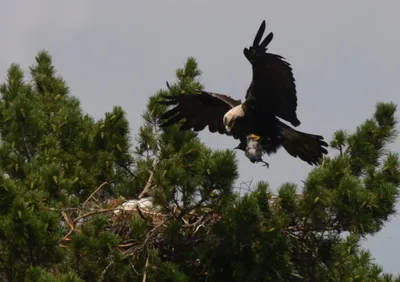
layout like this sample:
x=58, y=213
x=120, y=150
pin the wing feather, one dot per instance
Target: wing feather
x=197, y=111
x=273, y=86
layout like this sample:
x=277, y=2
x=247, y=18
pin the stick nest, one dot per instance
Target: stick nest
x=195, y=226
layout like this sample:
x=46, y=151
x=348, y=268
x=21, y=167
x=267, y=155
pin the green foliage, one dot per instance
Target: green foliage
x=51, y=156
x=251, y=246
x=186, y=172
x=38, y=274
x=56, y=225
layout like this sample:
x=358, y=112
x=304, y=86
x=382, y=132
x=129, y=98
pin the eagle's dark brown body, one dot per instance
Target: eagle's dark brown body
x=271, y=96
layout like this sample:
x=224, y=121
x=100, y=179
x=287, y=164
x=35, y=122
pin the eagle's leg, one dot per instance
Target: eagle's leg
x=264, y=163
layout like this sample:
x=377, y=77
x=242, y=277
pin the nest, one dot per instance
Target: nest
x=195, y=228
x=195, y=225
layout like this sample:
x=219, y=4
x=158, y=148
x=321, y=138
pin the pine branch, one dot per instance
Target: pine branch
x=128, y=171
x=28, y=155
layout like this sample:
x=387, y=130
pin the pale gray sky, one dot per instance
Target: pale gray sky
x=344, y=55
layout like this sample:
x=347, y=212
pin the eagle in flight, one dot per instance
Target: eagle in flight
x=256, y=122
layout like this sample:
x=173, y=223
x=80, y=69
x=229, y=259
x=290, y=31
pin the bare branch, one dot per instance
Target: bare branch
x=145, y=274
x=68, y=220
x=149, y=183
x=94, y=192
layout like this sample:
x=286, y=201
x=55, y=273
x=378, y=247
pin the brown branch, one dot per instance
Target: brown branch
x=66, y=237
x=68, y=220
x=127, y=245
x=94, y=212
x=65, y=209
x=149, y=183
x=150, y=233
x=73, y=223
x=94, y=192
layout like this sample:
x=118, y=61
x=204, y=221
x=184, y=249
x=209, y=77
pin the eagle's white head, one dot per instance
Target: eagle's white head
x=231, y=116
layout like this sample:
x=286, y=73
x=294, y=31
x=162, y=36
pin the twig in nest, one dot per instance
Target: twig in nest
x=64, y=209
x=94, y=212
x=150, y=233
x=201, y=225
x=146, y=265
x=134, y=269
x=126, y=245
x=94, y=192
x=194, y=223
x=197, y=228
x=149, y=183
x=73, y=223
x=68, y=220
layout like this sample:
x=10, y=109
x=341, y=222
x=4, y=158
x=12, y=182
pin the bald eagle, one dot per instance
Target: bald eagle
x=270, y=96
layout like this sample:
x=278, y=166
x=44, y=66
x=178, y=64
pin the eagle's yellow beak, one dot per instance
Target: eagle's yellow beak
x=254, y=137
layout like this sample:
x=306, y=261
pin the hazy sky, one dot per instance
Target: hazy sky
x=345, y=56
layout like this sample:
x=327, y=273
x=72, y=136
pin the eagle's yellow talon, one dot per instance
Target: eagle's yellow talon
x=254, y=137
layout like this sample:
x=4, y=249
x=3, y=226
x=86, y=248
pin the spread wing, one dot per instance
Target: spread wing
x=198, y=111
x=273, y=84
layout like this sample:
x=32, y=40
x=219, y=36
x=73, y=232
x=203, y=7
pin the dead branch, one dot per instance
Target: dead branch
x=66, y=237
x=126, y=245
x=146, y=265
x=149, y=183
x=94, y=192
x=68, y=220
x=72, y=224
x=94, y=212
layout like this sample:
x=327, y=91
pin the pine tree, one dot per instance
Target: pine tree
x=51, y=157
x=64, y=177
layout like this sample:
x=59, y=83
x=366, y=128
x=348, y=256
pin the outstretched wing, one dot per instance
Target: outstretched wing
x=198, y=111
x=273, y=84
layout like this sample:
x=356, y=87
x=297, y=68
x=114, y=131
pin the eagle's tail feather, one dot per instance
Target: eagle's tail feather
x=308, y=147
